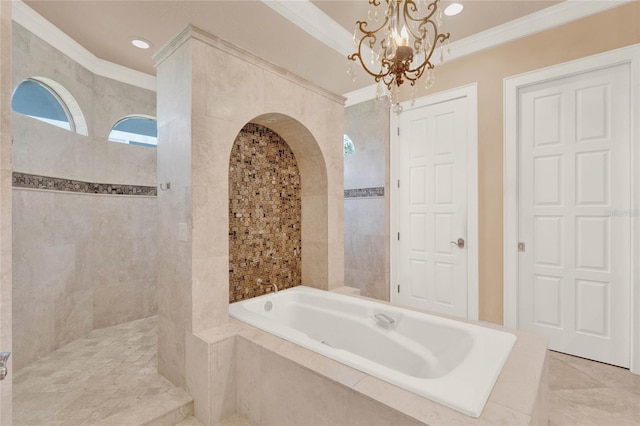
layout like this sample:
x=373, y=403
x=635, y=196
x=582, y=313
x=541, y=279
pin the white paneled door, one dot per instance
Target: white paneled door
x=574, y=213
x=432, y=211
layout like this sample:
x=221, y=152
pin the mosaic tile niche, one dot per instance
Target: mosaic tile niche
x=264, y=214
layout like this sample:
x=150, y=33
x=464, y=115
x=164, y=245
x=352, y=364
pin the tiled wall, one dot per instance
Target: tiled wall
x=198, y=122
x=264, y=214
x=84, y=225
x=81, y=262
x=366, y=200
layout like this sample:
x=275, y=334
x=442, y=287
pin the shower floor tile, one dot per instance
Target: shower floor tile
x=111, y=372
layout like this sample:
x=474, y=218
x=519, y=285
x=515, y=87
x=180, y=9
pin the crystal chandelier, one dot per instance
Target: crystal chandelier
x=400, y=43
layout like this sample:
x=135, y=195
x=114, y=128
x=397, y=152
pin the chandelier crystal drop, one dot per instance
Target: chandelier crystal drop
x=397, y=45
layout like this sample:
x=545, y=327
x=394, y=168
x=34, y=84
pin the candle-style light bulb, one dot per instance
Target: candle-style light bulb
x=404, y=36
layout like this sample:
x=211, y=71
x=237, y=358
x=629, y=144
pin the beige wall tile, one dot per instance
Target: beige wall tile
x=312, y=133
x=223, y=379
x=42, y=149
x=310, y=398
x=207, y=311
x=71, y=259
x=172, y=351
x=365, y=219
x=248, y=379
x=533, y=352
x=73, y=316
x=364, y=412
x=198, y=381
x=87, y=260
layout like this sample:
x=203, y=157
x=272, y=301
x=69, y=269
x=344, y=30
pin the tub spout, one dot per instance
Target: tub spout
x=275, y=287
x=384, y=320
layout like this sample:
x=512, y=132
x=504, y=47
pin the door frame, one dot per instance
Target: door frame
x=471, y=93
x=512, y=85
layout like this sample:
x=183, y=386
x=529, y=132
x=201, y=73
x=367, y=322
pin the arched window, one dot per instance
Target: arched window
x=45, y=100
x=349, y=148
x=136, y=130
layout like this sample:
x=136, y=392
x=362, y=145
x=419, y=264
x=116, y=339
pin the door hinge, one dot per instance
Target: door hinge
x=398, y=183
x=398, y=288
x=522, y=247
x=398, y=236
x=398, y=131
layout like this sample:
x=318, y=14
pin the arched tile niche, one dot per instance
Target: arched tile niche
x=208, y=90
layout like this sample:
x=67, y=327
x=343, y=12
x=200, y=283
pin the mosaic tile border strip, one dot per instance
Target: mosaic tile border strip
x=24, y=180
x=364, y=192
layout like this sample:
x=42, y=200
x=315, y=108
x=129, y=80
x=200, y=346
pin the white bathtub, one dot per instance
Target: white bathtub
x=451, y=362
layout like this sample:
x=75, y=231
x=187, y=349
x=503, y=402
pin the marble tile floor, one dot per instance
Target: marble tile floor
x=584, y=393
x=110, y=377
x=235, y=420
x=106, y=378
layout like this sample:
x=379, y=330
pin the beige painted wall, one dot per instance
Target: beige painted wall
x=606, y=31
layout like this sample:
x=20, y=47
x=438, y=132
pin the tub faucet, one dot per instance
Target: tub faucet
x=384, y=320
x=275, y=287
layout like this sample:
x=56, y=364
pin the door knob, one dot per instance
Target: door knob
x=459, y=243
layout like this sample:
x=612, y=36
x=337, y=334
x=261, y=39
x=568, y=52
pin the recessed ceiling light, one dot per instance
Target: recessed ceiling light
x=140, y=43
x=453, y=9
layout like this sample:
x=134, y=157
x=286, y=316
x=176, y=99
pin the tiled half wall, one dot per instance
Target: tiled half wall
x=264, y=214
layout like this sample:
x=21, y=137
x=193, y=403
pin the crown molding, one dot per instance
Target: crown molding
x=314, y=21
x=360, y=95
x=38, y=25
x=542, y=20
x=559, y=14
x=319, y=25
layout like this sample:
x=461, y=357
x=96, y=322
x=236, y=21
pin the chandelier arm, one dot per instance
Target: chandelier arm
x=414, y=74
x=362, y=25
x=407, y=13
x=411, y=7
x=387, y=82
x=385, y=64
x=439, y=38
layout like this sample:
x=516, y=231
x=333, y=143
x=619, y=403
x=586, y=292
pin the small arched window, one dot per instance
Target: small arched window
x=349, y=148
x=136, y=130
x=39, y=101
x=45, y=100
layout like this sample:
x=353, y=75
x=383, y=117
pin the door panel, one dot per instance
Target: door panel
x=432, y=273
x=574, y=171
